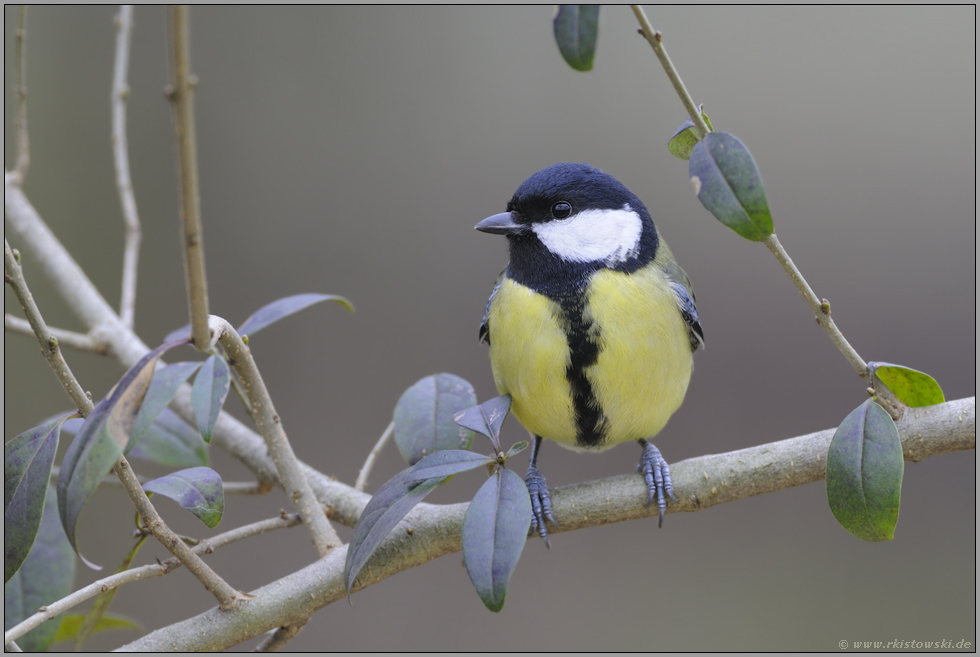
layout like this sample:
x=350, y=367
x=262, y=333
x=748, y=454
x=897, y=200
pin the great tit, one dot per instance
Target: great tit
x=592, y=325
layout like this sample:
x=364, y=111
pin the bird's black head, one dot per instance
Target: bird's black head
x=569, y=220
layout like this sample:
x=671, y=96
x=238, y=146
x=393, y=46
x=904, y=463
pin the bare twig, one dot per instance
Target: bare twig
x=207, y=546
x=280, y=637
x=181, y=93
x=78, y=341
x=372, y=457
x=270, y=427
x=23, y=143
x=120, y=157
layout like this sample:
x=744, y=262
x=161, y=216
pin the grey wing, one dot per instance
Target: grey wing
x=484, y=328
x=681, y=285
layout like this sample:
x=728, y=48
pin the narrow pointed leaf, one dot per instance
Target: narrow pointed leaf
x=396, y=498
x=864, y=473
x=198, y=490
x=163, y=386
x=184, y=332
x=913, y=387
x=72, y=623
x=686, y=137
x=728, y=184
x=101, y=440
x=494, y=532
x=424, y=416
x=209, y=393
x=487, y=418
x=96, y=619
x=276, y=310
x=43, y=578
x=576, y=30
x=27, y=461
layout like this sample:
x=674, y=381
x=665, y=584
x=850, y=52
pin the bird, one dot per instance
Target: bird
x=592, y=325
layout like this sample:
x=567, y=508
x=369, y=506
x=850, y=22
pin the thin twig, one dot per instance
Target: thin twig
x=14, y=277
x=267, y=421
x=23, y=143
x=281, y=637
x=206, y=546
x=372, y=457
x=77, y=341
x=120, y=157
x=181, y=94
x=655, y=39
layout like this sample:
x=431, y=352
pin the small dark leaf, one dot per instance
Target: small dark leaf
x=685, y=137
x=494, y=532
x=424, y=416
x=209, y=392
x=163, y=386
x=276, y=310
x=864, y=473
x=728, y=184
x=395, y=499
x=487, y=418
x=912, y=387
x=517, y=448
x=199, y=490
x=44, y=577
x=101, y=441
x=27, y=461
x=72, y=623
x=576, y=29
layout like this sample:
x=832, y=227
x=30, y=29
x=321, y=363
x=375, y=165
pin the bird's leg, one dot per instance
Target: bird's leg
x=540, y=497
x=656, y=473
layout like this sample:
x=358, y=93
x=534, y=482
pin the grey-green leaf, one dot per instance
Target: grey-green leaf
x=163, y=386
x=576, y=30
x=43, y=578
x=396, y=498
x=209, y=393
x=727, y=182
x=276, y=310
x=686, y=137
x=72, y=623
x=424, y=416
x=494, y=532
x=487, y=418
x=912, y=387
x=199, y=490
x=27, y=461
x=101, y=440
x=172, y=442
x=864, y=473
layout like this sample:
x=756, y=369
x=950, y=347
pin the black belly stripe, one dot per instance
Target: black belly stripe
x=583, y=345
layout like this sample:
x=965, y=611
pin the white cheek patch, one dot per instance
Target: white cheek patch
x=609, y=235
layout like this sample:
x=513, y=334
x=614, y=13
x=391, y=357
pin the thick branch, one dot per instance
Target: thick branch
x=435, y=530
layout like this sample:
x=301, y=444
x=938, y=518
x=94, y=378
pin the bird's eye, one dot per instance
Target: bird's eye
x=561, y=209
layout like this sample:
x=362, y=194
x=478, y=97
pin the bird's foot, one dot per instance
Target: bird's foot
x=656, y=473
x=537, y=487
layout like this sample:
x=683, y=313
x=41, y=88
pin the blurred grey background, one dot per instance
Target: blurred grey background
x=351, y=151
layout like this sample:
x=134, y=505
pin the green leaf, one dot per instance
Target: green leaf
x=209, y=393
x=172, y=442
x=864, y=473
x=27, y=461
x=43, y=578
x=494, y=532
x=72, y=623
x=487, y=418
x=100, y=442
x=516, y=448
x=728, y=184
x=276, y=310
x=163, y=386
x=576, y=29
x=686, y=137
x=199, y=490
x=396, y=498
x=424, y=416
x=912, y=387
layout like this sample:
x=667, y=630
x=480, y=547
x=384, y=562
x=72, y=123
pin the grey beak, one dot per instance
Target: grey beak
x=500, y=224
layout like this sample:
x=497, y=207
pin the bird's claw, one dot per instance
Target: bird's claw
x=541, y=513
x=656, y=473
